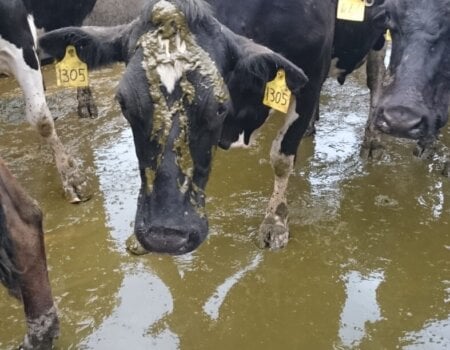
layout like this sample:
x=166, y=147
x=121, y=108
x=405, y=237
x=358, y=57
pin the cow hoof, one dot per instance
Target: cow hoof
x=86, y=103
x=42, y=331
x=76, y=190
x=371, y=149
x=272, y=236
x=75, y=185
x=134, y=247
x=87, y=111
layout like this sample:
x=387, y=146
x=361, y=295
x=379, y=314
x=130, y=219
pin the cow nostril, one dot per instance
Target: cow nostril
x=419, y=124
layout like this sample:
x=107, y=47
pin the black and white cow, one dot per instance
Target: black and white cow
x=416, y=95
x=18, y=58
x=187, y=76
x=23, y=266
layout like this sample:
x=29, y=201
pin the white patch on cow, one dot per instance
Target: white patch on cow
x=335, y=72
x=30, y=80
x=172, y=69
x=33, y=30
x=291, y=117
x=240, y=142
x=387, y=57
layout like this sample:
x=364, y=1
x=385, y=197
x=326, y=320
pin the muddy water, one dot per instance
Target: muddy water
x=367, y=267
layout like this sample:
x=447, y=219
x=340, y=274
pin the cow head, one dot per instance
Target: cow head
x=175, y=94
x=415, y=100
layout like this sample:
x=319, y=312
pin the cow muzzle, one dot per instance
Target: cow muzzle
x=172, y=240
x=402, y=121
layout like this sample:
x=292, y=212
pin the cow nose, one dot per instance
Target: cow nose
x=401, y=122
x=169, y=240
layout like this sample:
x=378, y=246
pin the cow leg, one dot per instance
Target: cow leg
x=376, y=71
x=86, y=103
x=38, y=114
x=23, y=223
x=274, y=230
x=311, y=131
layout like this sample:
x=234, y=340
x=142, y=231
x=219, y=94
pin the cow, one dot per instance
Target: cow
x=188, y=79
x=23, y=267
x=415, y=99
x=18, y=58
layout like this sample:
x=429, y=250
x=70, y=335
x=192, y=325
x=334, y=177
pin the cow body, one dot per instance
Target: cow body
x=18, y=58
x=416, y=95
x=23, y=267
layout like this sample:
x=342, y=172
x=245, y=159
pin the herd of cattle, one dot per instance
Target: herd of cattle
x=195, y=78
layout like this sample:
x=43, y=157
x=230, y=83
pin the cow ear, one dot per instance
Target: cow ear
x=96, y=46
x=252, y=67
x=261, y=64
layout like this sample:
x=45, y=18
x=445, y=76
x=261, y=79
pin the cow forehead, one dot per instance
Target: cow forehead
x=425, y=13
x=171, y=51
x=165, y=11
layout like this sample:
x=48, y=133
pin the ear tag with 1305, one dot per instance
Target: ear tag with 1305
x=277, y=94
x=71, y=71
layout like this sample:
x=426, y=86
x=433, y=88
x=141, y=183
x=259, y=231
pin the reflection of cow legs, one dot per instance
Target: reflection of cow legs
x=86, y=103
x=21, y=228
x=39, y=116
x=376, y=72
x=274, y=231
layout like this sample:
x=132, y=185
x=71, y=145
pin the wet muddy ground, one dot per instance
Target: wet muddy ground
x=367, y=266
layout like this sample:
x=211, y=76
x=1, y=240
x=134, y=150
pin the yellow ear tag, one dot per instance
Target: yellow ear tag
x=277, y=94
x=351, y=10
x=71, y=71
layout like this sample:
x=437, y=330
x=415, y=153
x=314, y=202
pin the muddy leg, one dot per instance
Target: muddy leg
x=86, y=103
x=38, y=114
x=376, y=71
x=274, y=231
x=24, y=227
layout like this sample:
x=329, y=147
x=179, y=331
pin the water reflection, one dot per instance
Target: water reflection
x=435, y=335
x=213, y=304
x=143, y=300
x=360, y=307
